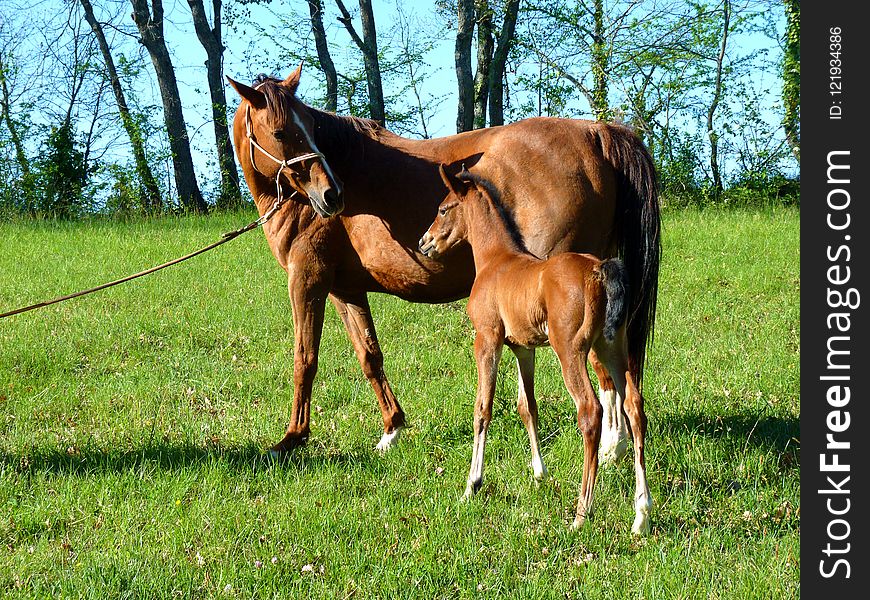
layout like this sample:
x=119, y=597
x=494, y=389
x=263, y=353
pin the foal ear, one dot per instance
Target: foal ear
x=255, y=97
x=292, y=81
x=456, y=187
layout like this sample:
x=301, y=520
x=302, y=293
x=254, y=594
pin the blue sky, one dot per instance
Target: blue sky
x=249, y=53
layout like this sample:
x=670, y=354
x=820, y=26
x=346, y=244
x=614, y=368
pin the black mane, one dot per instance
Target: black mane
x=505, y=212
x=333, y=133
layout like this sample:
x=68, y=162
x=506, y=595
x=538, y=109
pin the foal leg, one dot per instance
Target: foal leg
x=527, y=406
x=487, y=352
x=616, y=360
x=589, y=413
x=357, y=319
x=614, y=433
x=308, y=302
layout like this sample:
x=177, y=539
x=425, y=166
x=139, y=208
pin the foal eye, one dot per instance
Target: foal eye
x=442, y=211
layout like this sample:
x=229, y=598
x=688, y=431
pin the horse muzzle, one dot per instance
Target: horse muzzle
x=427, y=246
x=328, y=203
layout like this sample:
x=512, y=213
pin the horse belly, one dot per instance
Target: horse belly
x=385, y=265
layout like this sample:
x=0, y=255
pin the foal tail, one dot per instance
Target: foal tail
x=616, y=289
x=638, y=228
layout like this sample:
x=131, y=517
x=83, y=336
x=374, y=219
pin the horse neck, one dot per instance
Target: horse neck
x=488, y=232
x=345, y=141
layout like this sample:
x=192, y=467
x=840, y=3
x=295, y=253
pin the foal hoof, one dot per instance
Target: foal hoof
x=613, y=448
x=388, y=440
x=471, y=488
x=641, y=526
x=539, y=471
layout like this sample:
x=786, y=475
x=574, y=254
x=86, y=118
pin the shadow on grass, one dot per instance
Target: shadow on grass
x=178, y=456
x=743, y=430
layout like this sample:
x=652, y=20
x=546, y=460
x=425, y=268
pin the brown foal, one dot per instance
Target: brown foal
x=574, y=302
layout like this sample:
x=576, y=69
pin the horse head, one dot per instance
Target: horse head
x=280, y=135
x=449, y=227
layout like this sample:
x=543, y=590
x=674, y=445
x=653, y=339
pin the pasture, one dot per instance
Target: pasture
x=134, y=423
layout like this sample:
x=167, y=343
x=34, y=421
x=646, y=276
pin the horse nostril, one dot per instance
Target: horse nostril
x=331, y=197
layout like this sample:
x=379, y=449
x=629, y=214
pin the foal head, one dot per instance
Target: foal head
x=450, y=226
x=280, y=134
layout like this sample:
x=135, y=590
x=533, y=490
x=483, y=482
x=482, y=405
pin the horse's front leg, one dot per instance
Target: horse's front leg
x=308, y=293
x=357, y=319
x=487, y=352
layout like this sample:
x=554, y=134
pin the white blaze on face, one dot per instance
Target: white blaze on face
x=310, y=139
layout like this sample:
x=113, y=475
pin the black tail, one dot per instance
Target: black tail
x=616, y=289
x=638, y=234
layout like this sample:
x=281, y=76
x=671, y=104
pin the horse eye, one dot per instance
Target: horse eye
x=279, y=134
x=442, y=211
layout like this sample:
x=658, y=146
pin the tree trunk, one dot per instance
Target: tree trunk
x=368, y=45
x=717, y=94
x=315, y=7
x=484, y=59
x=149, y=192
x=499, y=63
x=462, y=58
x=600, y=106
x=20, y=156
x=791, y=77
x=151, y=31
x=210, y=38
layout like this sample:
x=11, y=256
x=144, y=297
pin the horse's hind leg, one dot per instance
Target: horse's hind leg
x=589, y=414
x=527, y=406
x=615, y=358
x=357, y=319
x=614, y=433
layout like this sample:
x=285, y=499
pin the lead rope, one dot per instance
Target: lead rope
x=225, y=237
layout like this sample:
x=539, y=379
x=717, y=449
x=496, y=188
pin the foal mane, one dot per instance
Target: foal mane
x=504, y=212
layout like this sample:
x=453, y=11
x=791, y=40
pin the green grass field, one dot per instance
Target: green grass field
x=134, y=423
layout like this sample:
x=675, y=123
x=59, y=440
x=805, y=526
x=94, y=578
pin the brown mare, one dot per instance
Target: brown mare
x=361, y=195
x=574, y=302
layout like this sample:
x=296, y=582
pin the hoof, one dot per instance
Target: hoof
x=471, y=489
x=540, y=474
x=539, y=471
x=613, y=447
x=578, y=522
x=642, y=508
x=388, y=440
x=289, y=442
x=641, y=525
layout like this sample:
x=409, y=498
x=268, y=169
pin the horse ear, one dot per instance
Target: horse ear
x=452, y=183
x=292, y=81
x=255, y=97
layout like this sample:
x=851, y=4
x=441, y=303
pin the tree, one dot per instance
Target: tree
x=719, y=68
x=483, y=19
x=315, y=8
x=149, y=192
x=149, y=22
x=499, y=62
x=791, y=77
x=6, y=113
x=368, y=45
x=462, y=60
x=210, y=38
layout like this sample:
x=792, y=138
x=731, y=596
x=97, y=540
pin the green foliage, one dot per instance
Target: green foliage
x=62, y=175
x=791, y=74
x=135, y=421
